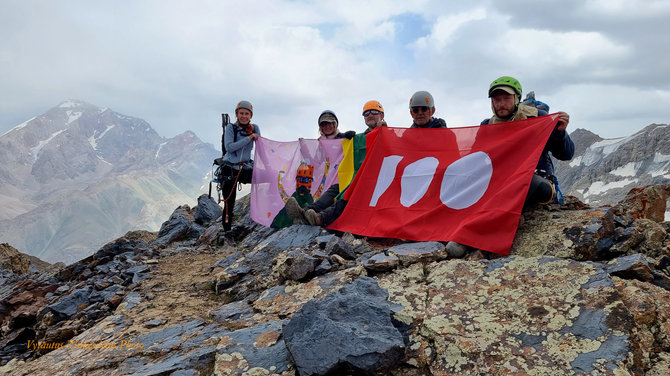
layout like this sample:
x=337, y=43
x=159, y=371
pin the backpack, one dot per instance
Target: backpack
x=225, y=120
x=531, y=101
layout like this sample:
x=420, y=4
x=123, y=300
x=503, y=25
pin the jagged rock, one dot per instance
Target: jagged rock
x=411, y=253
x=69, y=304
x=646, y=202
x=648, y=237
x=207, y=211
x=381, y=262
x=232, y=312
x=282, y=301
x=253, y=351
x=349, y=330
x=229, y=276
x=210, y=235
x=576, y=234
x=323, y=240
x=11, y=260
x=291, y=237
x=176, y=228
x=359, y=246
x=649, y=309
x=297, y=266
x=154, y=322
x=324, y=267
x=337, y=246
x=631, y=267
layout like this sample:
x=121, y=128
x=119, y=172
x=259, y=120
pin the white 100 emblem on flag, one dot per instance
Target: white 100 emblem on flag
x=464, y=182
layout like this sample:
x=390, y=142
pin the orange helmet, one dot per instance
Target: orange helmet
x=304, y=176
x=373, y=105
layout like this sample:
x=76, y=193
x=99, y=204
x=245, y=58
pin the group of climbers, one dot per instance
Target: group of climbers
x=505, y=93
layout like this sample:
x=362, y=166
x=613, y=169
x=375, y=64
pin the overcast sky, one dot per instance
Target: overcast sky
x=180, y=64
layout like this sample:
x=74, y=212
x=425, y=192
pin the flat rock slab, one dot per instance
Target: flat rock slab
x=513, y=316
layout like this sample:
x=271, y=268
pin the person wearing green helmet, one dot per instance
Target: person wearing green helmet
x=505, y=93
x=237, y=166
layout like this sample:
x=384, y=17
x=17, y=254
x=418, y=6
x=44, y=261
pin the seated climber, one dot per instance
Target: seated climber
x=505, y=93
x=326, y=209
x=237, y=166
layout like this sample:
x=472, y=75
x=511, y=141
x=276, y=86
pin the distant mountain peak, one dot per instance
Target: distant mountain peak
x=602, y=171
x=95, y=169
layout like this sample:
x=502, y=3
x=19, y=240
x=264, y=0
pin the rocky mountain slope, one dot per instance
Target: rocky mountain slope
x=604, y=170
x=585, y=290
x=79, y=176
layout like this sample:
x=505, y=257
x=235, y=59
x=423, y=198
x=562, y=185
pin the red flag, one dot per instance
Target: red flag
x=457, y=184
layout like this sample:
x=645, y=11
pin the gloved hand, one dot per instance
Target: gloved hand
x=349, y=134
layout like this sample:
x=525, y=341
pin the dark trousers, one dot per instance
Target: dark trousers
x=327, y=206
x=331, y=213
x=229, y=179
x=326, y=200
x=540, y=191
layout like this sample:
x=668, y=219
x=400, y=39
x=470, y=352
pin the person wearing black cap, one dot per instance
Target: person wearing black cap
x=237, y=166
x=328, y=125
x=422, y=109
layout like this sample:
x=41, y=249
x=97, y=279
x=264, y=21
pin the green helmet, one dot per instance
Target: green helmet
x=506, y=81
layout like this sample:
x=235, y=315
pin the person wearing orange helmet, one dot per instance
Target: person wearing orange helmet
x=373, y=115
x=302, y=195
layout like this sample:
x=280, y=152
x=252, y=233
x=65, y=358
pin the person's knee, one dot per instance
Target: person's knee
x=539, y=192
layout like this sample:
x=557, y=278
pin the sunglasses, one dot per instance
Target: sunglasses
x=416, y=110
x=303, y=179
x=371, y=112
x=324, y=123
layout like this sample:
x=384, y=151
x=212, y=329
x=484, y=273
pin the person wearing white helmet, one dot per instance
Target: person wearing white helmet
x=422, y=109
x=238, y=139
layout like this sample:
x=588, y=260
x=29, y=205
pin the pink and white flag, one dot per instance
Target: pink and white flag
x=276, y=171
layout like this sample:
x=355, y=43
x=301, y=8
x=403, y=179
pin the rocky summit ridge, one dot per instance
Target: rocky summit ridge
x=584, y=291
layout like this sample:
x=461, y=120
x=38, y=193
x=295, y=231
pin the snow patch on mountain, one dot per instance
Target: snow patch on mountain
x=93, y=140
x=36, y=150
x=159, y=149
x=576, y=161
x=629, y=169
x=73, y=116
x=599, y=187
x=19, y=126
x=69, y=104
x=600, y=150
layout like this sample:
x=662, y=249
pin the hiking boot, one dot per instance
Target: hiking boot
x=294, y=211
x=313, y=218
x=456, y=250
